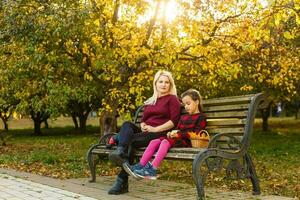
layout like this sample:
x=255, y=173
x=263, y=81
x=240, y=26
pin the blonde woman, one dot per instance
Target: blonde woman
x=161, y=114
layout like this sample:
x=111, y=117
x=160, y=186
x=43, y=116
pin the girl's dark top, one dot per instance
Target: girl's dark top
x=166, y=108
x=188, y=123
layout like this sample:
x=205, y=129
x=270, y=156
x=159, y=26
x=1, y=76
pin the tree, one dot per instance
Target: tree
x=75, y=56
x=55, y=53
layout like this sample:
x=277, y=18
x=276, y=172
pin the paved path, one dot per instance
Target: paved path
x=12, y=188
x=22, y=186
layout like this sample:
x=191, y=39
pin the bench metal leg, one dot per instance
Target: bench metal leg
x=253, y=176
x=198, y=175
x=92, y=163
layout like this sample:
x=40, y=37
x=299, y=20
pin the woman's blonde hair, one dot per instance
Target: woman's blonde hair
x=152, y=100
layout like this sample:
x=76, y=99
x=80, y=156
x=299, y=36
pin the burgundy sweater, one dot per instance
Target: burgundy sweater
x=166, y=108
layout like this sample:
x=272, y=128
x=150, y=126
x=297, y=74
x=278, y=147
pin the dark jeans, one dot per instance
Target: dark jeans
x=126, y=133
x=132, y=137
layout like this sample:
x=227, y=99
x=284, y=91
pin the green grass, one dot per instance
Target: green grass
x=60, y=152
x=27, y=123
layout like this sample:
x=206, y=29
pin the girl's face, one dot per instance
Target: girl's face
x=163, y=85
x=190, y=105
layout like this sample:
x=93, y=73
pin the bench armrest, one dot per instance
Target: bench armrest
x=227, y=140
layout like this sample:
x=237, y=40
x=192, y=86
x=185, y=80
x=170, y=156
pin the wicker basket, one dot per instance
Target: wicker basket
x=201, y=140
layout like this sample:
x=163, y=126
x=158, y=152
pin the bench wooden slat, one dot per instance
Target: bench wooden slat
x=227, y=100
x=235, y=130
x=225, y=122
x=102, y=150
x=226, y=108
x=225, y=139
x=176, y=153
x=230, y=114
x=177, y=156
x=190, y=150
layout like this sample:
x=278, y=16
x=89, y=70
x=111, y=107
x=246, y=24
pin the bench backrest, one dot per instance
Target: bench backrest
x=230, y=115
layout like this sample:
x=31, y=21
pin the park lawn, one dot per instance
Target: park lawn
x=60, y=153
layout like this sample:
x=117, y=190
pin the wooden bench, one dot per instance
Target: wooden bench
x=230, y=123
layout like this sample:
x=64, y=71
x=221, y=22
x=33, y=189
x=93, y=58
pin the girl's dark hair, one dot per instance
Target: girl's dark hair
x=195, y=95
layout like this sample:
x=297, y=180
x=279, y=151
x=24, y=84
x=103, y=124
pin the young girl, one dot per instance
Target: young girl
x=194, y=121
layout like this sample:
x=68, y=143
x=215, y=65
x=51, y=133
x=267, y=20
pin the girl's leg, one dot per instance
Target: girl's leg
x=161, y=153
x=141, y=140
x=149, y=152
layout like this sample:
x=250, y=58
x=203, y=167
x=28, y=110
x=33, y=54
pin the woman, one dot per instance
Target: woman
x=161, y=114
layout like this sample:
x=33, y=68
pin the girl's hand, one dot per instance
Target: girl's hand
x=172, y=134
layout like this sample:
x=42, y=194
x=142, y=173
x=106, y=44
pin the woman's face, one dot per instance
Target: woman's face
x=163, y=85
x=190, y=105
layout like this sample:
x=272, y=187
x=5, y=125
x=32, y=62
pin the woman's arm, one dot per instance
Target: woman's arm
x=164, y=127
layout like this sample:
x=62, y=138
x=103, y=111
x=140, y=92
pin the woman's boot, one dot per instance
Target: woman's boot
x=119, y=156
x=120, y=186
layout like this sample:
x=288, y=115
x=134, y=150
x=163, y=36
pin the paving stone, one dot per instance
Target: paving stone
x=31, y=186
x=34, y=191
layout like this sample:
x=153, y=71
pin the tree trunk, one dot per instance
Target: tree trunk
x=2, y=138
x=82, y=111
x=108, y=123
x=46, y=124
x=75, y=121
x=82, y=122
x=265, y=113
x=37, y=126
x=44, y=118
x=297, y=109
x=36, y=117
x=283, y=113
x=5, y=125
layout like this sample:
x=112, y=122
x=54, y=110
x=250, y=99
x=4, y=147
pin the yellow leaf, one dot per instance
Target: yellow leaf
x=297, y=19
x=96, y=22
x=288, y=35
x=277, y=20
x=87, y=76
x=16, y=115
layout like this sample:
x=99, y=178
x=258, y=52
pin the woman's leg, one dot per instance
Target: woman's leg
x=149, y=152
x=161, y=153
x=127, y=132
x=119, y=156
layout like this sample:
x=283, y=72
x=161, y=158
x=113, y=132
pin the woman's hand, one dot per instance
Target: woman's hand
x=143, y=127
x=164, y=127
x=148, y=128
